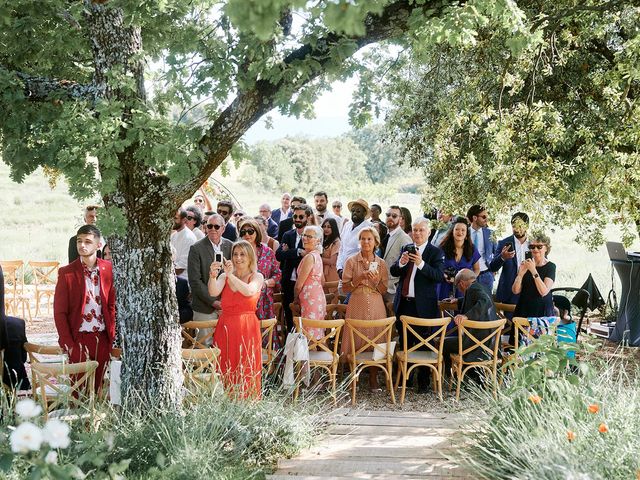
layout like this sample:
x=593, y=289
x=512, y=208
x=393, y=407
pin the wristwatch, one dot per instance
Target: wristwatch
x=536, y=276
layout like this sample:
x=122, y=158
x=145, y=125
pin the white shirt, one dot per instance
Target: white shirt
x=182, y=242
x=520, y=249
x=216, y=248
x=198, y=233
x=412, y=289
x=349, y=243
x=478, y=236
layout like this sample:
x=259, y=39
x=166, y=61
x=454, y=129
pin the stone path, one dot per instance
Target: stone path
x=381, y=445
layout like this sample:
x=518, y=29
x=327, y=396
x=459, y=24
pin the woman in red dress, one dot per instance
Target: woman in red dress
x=238, y=331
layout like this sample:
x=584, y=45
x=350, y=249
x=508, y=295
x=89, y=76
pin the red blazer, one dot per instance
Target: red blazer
x=69, y=300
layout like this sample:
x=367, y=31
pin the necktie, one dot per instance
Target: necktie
x=474, y=238
x=407, y=280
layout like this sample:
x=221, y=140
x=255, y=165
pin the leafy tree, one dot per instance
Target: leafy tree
x=88, y=89
x=548, y=123
x=383, y=159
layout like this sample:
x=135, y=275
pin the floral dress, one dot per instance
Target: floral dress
x=313, y=304
x=270, y=269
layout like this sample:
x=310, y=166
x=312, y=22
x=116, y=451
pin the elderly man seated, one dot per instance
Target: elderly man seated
x=476, y=304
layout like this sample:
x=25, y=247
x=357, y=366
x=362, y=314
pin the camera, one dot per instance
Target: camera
x=527, y=254
x=411, y=248
x=450, y=272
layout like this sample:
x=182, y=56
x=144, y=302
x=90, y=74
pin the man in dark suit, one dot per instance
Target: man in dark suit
x=284, y=211
x=90, y=218
x=12, y=337
x=272, y=227
x=225, y=209
x=287, y=224
x=289, y=254
x=482, y=238
x=476, y=304
x=201, y=256
x=511, y=254
x=84, y=304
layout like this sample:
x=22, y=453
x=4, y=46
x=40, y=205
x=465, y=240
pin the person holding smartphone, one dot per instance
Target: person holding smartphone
x=535, y=278
x=509, y=257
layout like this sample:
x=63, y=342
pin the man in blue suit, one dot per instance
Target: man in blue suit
x=482, y=238
x=289, y=254
x=418, y=273
x=511, y=253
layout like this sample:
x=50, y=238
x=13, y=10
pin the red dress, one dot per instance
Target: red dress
x=238, y=337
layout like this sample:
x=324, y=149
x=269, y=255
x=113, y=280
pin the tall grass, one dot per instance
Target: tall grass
x=559, y=419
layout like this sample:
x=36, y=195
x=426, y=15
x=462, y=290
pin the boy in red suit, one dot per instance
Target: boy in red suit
x=84, y=304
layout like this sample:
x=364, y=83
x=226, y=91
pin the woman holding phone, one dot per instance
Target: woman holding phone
x=365, y=276
x=308, y=288
x=535, y=279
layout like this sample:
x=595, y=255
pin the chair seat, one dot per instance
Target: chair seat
x=72, y=414
x=419, y=356
x=321, y=356
x=61, y=389
x=367, y=357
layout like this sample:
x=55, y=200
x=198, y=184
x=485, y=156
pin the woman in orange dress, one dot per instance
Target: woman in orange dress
x=365, y=276
x=308, y=288
x=238, y=332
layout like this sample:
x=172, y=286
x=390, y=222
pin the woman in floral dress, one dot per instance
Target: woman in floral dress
x=308, y=288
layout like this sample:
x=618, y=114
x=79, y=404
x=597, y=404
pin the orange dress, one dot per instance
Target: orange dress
x=238, y=337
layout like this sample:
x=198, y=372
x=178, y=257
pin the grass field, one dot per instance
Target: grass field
x=39, y=221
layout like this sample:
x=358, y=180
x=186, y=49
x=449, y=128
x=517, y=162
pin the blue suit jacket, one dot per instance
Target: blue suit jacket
x=508, y=274
x=272, y=228
x=425, y=281
x=276, y=215
x=289, y=259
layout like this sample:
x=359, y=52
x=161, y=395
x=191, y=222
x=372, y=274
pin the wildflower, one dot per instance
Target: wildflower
x=602, y=428
x=593, y=408
x=571, y=436
x=52, y=457
x=26, y=437
x=27, y=409
x=56, y=433
x=535, y=399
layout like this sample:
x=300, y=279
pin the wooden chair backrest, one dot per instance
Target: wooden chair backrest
x=446, y=307
x=359, y=328
x=199, y=324
x=13, y=271
x=521, y=327
x=502, y=308
x=495, y=325
x=266, y=329
x=295, y=309
x=277, y=297
x=70, y=384
x=329, y=341
x=440, y=326
x=330, y=298
x=44, y=273
x=34, y=349
x=200, y=366
x=329, y=286
x=335, y=311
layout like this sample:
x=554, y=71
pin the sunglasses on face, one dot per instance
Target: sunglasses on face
x=189, y=217
x=392, y=215
x=484, y=217
x=211, y=225
x=248, y=231
x=238, y=214
x=536, y=247
x=223, y=212
x=299, y=217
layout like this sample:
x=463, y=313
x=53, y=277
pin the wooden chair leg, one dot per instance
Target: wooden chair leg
x=404, y=382
x=389, y=383
x=459, y=375
x=354, y=381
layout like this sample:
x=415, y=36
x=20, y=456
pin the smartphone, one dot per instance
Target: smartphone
x=373, y=267
x=527, y=254
x=217, y=257
x=509, y=247
x=411, y=248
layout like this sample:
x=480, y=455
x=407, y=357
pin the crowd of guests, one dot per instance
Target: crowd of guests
x=228, y=266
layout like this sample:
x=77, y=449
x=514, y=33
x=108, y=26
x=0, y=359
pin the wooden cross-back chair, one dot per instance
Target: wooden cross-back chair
x=520, y=330
x=460, y=366
x=277, y=297
x=503, y=308
x=336, y=311
x=15, y=296
x=361, y=358
x=66, y=389
x=191, y=333
x=199, y=367
x=266, y=329
x=331, y=298
x=447, y=308
x=45, y=276
x=51, y=354
x=330, y=287
x=426, y=352
x=323, y=352
x=281, y=326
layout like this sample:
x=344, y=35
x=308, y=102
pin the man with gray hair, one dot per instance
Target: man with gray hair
x=272, y=226
x=90, y=218
x=477, y=305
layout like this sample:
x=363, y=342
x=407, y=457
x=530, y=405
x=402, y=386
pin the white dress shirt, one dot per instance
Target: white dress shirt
x=182, y=242
x=520, y=249
x=477, y=237
x=412, y=288
x=349, y=243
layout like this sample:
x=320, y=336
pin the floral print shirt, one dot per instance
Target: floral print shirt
x=92, y=319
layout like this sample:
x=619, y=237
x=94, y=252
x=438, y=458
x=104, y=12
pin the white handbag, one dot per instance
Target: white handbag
x=296, y=349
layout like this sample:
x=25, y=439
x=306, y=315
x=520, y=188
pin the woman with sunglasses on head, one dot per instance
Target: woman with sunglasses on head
x=330, y=249
x=268, y=266
x=459, y=253
x=535, y=279
x=308, y=288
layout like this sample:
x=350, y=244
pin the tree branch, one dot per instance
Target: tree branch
x=41, y=89
x=250, y=105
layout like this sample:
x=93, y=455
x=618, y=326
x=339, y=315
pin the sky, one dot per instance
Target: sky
x=332, y=118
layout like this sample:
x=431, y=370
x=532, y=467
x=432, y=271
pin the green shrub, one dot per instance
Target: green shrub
x=559, y=418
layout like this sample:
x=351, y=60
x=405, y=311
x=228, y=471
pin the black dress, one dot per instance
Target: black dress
x=531, y=303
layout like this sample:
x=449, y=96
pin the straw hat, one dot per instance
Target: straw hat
x=363, y=204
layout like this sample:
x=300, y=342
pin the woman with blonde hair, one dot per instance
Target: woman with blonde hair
x=365, y=276
x=535, y=279
x=237, y=334
x=308, y=288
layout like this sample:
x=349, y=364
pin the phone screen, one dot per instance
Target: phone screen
x=217, y=257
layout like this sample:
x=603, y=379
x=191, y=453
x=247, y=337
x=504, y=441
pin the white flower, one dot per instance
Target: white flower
x=52, y=457
x=56, y=433
x=27, y=408
x=26, y=437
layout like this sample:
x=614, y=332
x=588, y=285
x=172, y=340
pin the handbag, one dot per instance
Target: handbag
x=296, y=349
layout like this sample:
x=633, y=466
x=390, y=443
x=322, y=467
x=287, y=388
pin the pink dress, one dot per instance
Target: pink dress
x=313, y=304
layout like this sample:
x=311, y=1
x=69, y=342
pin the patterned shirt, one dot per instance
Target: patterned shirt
x=92, y=319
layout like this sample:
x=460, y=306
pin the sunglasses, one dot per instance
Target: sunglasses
x=299, y=217
x=392, y=215
x=238, y=214
x=482, y=217
x=223, y=212
x=211, y=225
x=536, y=247
x=248, y=231
x=189, y=217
